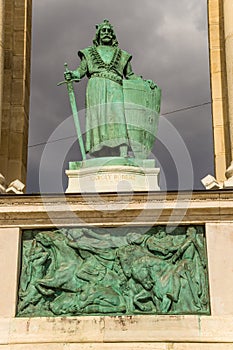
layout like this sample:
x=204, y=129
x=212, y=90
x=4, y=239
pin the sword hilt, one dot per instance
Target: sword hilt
x=66, y=67
x=66, y=81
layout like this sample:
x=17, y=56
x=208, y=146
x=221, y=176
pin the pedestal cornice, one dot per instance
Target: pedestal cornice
x=134, y=209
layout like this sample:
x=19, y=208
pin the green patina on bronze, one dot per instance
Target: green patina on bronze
x=113, y=271
x=121, y=108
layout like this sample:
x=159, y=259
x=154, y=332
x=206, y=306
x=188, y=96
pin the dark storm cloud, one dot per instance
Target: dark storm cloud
x=168, y=41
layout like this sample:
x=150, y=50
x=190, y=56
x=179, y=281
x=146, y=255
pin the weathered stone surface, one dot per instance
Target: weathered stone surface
x=218, y=88
x=16, y=83
x=199, y=346
x=116, y=209
x=220, y=246
x=9, y=259
x=213, y=332
x=59, y=330
x=112, y=179
x=119, y=330
x=4, y=330
x=120, y=346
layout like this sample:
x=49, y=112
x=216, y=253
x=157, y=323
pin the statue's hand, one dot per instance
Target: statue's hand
x=71, y=75
x=68, y=75
x=151, y=84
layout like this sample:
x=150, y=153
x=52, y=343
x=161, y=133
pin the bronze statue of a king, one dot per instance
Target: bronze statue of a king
x=121, y=108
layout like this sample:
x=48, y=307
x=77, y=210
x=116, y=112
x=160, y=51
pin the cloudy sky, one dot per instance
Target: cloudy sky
x=169, y=43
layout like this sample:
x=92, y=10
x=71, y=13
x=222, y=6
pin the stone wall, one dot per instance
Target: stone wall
x=161, y=332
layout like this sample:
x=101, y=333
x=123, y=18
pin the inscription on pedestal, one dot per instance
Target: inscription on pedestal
x=112, y=177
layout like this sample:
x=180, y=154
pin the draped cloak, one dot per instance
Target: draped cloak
x=105, y=117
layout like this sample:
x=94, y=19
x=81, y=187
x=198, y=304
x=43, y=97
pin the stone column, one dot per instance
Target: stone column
x=222, y=156
x=228, y=36
x=228, y=33
x=2, y=3
x=220, y=13
x=16, y=89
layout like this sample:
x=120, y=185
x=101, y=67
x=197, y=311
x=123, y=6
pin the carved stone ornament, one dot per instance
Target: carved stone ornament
x=113, y=271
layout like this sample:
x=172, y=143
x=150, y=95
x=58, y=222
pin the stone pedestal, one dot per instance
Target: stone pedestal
x=157, y=332
x=112, y=179
x=112, y=175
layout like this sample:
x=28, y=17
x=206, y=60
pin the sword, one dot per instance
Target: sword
x=70, y=88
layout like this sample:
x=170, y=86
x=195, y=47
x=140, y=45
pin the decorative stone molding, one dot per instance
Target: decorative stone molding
x=15, y=186
x=2, y=184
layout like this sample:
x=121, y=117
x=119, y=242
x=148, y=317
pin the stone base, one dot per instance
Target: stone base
x=228, y=183
x=117, y=333
x=142, y=332
x=112, y=179
x=210, y=183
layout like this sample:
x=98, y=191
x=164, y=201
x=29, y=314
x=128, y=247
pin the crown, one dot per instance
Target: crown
x=104, y=23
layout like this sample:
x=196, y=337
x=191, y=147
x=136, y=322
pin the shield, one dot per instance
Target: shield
x=142, y=107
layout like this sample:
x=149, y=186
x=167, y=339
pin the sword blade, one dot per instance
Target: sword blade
x=76, y=119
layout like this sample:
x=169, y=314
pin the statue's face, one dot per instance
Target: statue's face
x=106, y=35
